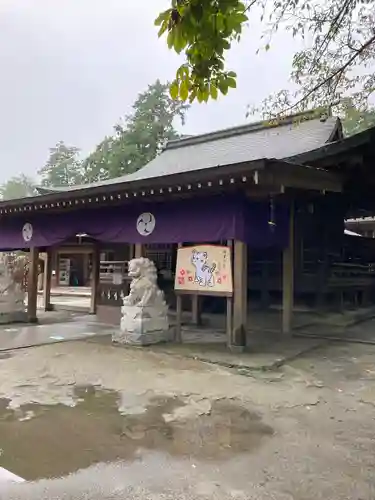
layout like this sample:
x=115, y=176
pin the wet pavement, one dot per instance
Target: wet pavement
x=77, y=327
x=103, y=427
x=143, y=424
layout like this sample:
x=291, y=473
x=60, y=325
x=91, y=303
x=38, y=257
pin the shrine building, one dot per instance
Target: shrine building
x=276, y=194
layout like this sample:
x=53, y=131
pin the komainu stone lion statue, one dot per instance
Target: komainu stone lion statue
x=12, y=293
x=144, y=290
x=144, y=314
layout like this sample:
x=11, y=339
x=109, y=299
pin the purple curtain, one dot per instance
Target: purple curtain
x=201, y=219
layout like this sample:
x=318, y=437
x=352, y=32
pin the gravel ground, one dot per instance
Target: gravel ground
x=314, y=421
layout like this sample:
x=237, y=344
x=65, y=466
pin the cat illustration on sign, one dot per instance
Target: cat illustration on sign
x=204, y=272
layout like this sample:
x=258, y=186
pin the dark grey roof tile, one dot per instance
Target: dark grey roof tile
x=235, y=145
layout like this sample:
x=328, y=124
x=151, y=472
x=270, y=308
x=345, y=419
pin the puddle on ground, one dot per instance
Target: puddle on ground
x=50, y=441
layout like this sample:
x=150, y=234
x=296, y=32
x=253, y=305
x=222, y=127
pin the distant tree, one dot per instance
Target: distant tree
x=139, y=137
x=63, y=167
x=356, y=120
x=354, y=116
x=19, y=186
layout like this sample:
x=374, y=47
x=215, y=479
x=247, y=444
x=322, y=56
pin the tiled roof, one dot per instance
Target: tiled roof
x=245, y=143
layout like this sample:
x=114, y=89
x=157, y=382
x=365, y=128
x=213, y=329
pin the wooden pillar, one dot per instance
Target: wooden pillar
x=85, y=264
x=178, y=330
x=323, y=270
x=131, y=251
x=95, y=279
x=57, y=269
x=32, y=288
x=265, y=285
x=138, y=250
x=239, y=319
x=195, y=313
x=54, y=259
x=229, y=318
x=47, y=281
x=288, y=277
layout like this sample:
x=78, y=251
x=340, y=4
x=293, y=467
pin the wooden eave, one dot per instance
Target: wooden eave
x=331, y=152
x=265, y=174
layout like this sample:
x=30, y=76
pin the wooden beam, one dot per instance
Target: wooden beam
x=288, y=277
x=299, y=177
x=47, y=278
x=240, y=295
x=95, y=280
x=76, y=250
x=32, y=285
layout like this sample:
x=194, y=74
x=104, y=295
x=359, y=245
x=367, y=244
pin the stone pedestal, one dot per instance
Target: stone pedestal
x=143, y=325
x=12, y=313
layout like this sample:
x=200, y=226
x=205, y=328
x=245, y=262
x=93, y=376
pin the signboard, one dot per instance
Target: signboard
x=204, y=270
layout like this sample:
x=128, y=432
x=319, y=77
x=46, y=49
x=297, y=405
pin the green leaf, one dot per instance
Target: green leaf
x=162, y=29
x=267, y=47
x=241, y=6
x=184, y=90
x=223, y=86
x=179, y=41
x=204, y=92
x=170, y=39
x=220, y=24
x=183, y=72
x=241, y=18
x=163, y=16
x=231, y=82
x=193, y=95
x=173, y=89
x=232, y=74
x=213, y=91
x=200, y=95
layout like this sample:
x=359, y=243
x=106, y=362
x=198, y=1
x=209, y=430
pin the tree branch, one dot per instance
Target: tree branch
x=332, y=31
x=338, y=72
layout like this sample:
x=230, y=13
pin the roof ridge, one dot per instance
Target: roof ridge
x=312, y=114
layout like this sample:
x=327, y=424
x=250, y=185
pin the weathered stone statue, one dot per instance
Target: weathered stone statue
x=144, y=312
x=12, y=293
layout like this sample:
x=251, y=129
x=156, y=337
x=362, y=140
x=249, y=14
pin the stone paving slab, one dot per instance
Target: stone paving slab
x=270, y=358
x=363, y=331
x=20, y=336
x=69, y=291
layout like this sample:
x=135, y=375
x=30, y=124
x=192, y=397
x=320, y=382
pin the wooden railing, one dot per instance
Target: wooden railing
x=113, y=282
x=112, y=295
x=268, y=275
x=112, y=270
x=346, y=274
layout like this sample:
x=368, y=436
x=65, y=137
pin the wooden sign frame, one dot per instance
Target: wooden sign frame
x=197, y=293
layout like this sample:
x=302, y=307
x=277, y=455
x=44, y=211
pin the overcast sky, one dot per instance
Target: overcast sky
x=70, y=68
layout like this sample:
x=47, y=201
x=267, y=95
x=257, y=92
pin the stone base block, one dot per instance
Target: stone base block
x=143, y=326
x=237, y=349
x=13, y=317
x=141, y=339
